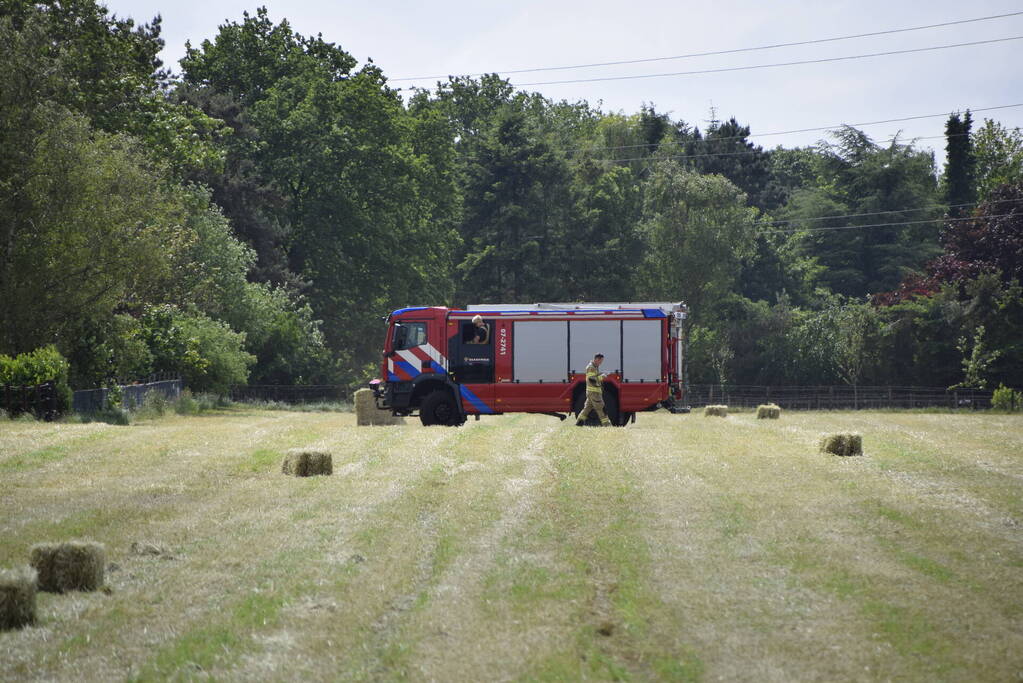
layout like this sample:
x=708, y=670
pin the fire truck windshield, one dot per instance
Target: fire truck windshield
x=407, y=335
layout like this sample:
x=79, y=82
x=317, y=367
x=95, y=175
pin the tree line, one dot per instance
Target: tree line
x=251, y=218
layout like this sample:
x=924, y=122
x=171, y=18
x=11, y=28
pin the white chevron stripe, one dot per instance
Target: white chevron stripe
x=435, y=355
x=411, y=358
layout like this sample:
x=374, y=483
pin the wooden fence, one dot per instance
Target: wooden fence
x=838, y=397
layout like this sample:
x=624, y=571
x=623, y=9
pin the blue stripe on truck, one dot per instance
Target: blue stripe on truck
x=474, y=400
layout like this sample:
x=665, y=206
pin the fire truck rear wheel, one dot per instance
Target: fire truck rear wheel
x=438, y=408
x=610, y=407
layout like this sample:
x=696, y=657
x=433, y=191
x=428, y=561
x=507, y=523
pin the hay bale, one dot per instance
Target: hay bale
x=842, y=444
x=299, y=463
x=72, y=566
x=367, y=413
x=715, y=411
x=768, y=411
x=17, y=597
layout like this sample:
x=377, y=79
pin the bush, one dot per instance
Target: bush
x=45, y=364
x=188, y=404
x=104, y=350
x=1006, y=399
x=154, y=405
x=207, y=353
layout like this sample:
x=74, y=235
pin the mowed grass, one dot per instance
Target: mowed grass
x=522, y=548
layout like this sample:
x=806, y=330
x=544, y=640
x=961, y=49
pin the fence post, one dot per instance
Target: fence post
x=51, y=402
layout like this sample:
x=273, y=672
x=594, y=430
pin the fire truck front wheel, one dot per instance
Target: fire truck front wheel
x=438, y=408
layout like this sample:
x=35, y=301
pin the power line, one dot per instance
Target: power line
x=880, y=225
x=808, y=130
x=751, y=151
x=759, y=135
x=726, y=52
x=770, y=66
x=883, y=213
x=704, y=155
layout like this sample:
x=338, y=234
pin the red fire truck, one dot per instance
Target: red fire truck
x=530, y=359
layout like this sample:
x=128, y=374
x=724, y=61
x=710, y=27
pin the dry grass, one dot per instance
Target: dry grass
x=17, y=597
x=519, y=547
x=715, y=411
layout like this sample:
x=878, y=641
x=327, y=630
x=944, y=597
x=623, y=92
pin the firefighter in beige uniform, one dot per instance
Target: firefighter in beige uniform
x=594, y=393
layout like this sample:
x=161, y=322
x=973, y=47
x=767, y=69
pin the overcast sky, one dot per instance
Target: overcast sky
x=413, y=39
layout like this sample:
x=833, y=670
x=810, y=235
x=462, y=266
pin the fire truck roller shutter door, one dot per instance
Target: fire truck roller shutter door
x=538, y=352
x=589, y=337
x=641, y=350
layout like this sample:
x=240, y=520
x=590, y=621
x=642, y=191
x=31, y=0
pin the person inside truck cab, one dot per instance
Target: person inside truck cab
x=480, y=333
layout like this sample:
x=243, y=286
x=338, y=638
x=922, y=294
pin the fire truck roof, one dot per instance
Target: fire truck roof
x=648, y=309
x=665, y=307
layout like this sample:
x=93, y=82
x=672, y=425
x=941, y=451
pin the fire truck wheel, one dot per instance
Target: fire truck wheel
x=438, y=408
x=610, y=407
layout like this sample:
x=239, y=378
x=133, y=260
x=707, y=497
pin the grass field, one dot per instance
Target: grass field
x=522, y=548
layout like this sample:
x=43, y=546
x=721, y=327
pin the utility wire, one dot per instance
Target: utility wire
x=800, y=130
x=757, y=135
x=771, y=66
x=883, y=213
x=726, y=52
x=879, y=225
x=702, y=155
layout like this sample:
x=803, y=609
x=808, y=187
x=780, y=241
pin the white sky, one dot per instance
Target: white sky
x=411, y=39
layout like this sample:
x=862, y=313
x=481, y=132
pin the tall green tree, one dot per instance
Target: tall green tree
x=999, y=154
x=959, y=181
x=96, y=226
x=364, y=216
x=696, y=229
x=884, y=200
x=111, y=74
x=604, y=244
x=725, y=149
x=516, y=212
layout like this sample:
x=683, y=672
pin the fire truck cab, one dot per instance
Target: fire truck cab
x=530, y=358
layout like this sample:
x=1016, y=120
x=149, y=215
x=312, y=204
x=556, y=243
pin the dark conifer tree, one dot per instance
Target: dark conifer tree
x=960, y=165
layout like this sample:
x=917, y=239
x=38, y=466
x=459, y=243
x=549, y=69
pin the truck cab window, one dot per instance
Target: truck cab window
x=408, y=335
x=471, y=334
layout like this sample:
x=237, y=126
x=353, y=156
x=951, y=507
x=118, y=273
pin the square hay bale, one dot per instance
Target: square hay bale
x=71, y=566
x=299, y=463
x=768, y=411
x=842, y=444
x=17, y=597
x=715, y=411
x=367, y=413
